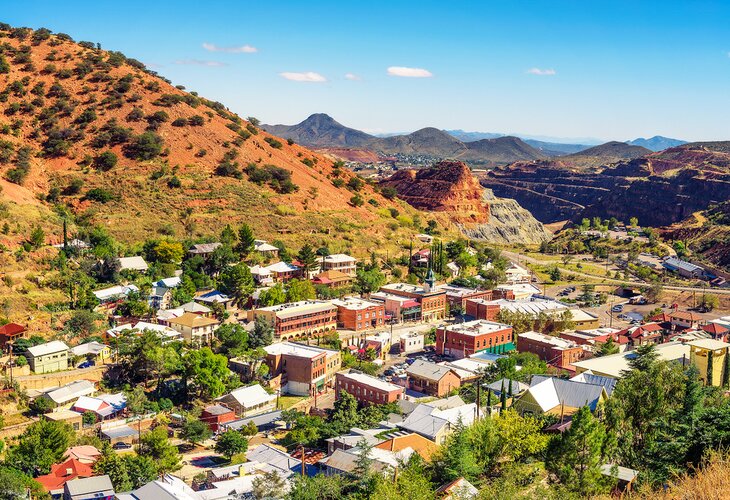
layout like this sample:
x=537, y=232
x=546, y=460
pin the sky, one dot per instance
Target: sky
x=570, y=69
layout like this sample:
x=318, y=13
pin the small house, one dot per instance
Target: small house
x=49, y=357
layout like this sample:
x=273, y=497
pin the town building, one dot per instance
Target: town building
x=412, y=342
x=553, y=350
x=195, y=328
x=533, y=307
x=340, y=262
x=367, y=389
x=49, y=357
x=212, y=297
x=301, y=369
x=428, y=302
x=436, y=420
x=109, y=297
x=92, y=351
x=521, y=291
x=461, y=340
x=358, y=314
x=161, y=294
x=683, y=268
x=87, y=488
x=615, y=364
x=62, y=473
x=216, y=416
x=710, y=357
x=65, y=395
x=135, y=263
x=557, y=396
x=457, y=296
x=283, y=272
x=11, y=332
x=166, y=333
x=333, y=279
x=295, y=320
x=517, y=274
x=265, y=249
x=204, y=249
x=685, y=320
x=432, y=379
x=72, y=418
x=248, y=401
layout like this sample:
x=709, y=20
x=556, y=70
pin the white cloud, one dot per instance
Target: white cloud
x=541, y=72
x=198, y=62
x=409, y=72
x=239, y=49
x=351, y=76
x=307, y=76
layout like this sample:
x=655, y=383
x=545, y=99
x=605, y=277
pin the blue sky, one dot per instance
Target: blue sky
x=610, y=70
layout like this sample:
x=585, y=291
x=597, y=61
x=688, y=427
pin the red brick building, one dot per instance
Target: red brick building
x=481, y=309
x=464, y=339
x=367, y=389
x=215, y=415
x=298, y=320
x=432, y=379
x=301, y=369
x=358, y=314
x=457, y=296
x=553, y=350
x=432, y=302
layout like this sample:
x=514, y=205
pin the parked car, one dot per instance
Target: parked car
x=617, y=308
x=121, y=446
x=86, y=364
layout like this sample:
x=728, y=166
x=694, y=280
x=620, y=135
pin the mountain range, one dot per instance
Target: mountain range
x=321, y=131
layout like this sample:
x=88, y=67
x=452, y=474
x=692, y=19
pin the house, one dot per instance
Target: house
x=511, y=388
x=49, y=357
x=457, y=296
x=333, y=279
x=247, y=401
x=357, y=314
x=10, y=332
x=685, y=319
x=92, y=351
x=432, y=379
x=261, y=275
x=87, y=488
x=710, y=357
x=301, y=369
x=65, y=395
x=167, y=487
x=120, y=434
x=464, y=339
x=161, y=294
x=283, y=272
x=60, y=474
x=381, y=461
x=683, y=268
x=379, y=342
x=613, y=365
x=367, y=389
x=340, y=262
x=436, y=423
x=165, y=315
x=266, y=250
x=517, y=274
x=716, y=331
x=263, y=422
x=113, y=294
x=458, y=489
x=521, y=291
x=217, y=415
x=214, y=297
x=72, y=418
x=421, y=258
x=429, y=302
x=86, y=454
x=648, y=333
x=274, y=457
x=165, y=332
x=553, y=350
x=400, y=440
x=453, y=269
x=135, y=263
x=608, y=383
x=412, y=342
x=204, y=249
x=557, y=396
x=195, y=328
x=301, y=319
x=104, y=407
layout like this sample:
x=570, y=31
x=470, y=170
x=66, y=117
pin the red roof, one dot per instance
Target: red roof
x=661, y=318
x=685, y=315
x=714, y=329
x=64, y=472
x=411, y=303
x=12, y=329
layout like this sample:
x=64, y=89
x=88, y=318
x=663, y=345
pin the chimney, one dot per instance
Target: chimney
x=69, y=471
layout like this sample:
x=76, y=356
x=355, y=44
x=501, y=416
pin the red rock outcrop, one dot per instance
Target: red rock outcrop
x=447, y=186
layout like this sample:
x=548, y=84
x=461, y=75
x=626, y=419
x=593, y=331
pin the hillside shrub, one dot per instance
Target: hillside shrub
x=74, y=187
x=179, y=122
x=106, y=161
x=276, y=178
x=156, y=119
x=135, y=115
x=196, y=121
x=273, y=142
x=100, y=194
x=357, y=201
x=145, y=146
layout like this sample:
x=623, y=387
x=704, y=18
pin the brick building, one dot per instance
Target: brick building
x=358, y=314
x=553, y=350
x=367, y=389
x=301, y=369
x=457, y=296
x=464, y=339
x=429, y=302
x=302, y=319
x=432, y=379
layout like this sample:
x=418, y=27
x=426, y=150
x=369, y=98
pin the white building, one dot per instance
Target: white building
x=412, y=342
x=340, y=262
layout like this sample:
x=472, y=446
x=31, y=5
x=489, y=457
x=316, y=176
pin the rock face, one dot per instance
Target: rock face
x=508, y=223
x=450, y=187
x=447, y=186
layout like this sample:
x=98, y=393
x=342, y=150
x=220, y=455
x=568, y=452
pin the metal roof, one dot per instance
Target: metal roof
x=429, y=371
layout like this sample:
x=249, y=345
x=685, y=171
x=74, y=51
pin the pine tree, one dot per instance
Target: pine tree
x=503, y=397
x=307, y=259
x=245, y=240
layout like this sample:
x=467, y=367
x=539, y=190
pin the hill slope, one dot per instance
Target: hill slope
x=657, y=143
x=603, y=154
x=320, y=131
x=97, y=132
x=502, y=150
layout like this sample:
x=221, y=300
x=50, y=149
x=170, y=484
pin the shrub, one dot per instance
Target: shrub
x=4, y=66
x=100, y=194
x=196, y=121
x=338, y=182
x=145, y=146
x=174, y=182
x=87, y=116
x=74, y=187
x=59, y=141
x=389, y=192
x=179, y=122
x=156, y=119
x=290, y=142
x=273, y=142
x=252, y=130
x=355, y=184
x=357, y=201
x=106, y=161
x=135, y=115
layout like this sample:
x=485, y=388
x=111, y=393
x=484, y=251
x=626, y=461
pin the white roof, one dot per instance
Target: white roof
x=135, y=263
x=528, y=306
x=355, y=303
x=262, y=246
x=478, y=327
x=71, y=391
x=403, y=287
x=253, y=395
x=428, y=420
x=213, y=296
x=614, y=364
x=96, y=405
x=372, y=381
x=169, y=282
x=92, y=347
x=47, y=348
x=545, y=394
x=519, y=288
x=167, y=488
x=258, y=270
x=555, y=342
x=292, y=349
x=581, y=315
x=709, y=344
x=114, y=291
x=282, y=267
x=339, y=257
x=468, y=364
x=142, y=326
x=302, y=307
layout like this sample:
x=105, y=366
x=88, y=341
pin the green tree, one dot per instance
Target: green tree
x=230, y=443
x=272, y=296
x=228, y=236
x=233, y=339
x=155, y=445
x=237, y=282
x=14, y=484
x=206, y=371
x=37, y=237
x=580, y=455
x=307, y=259
x=262, y=333
x=368, y=281
x=269, y=486
x=456, y=458
x=245, y=240
x=633, y=222
x=169, y=251
x=607, y=348
x=40, y=446
x=194, y=431
x=300, y=290
x=554, y=273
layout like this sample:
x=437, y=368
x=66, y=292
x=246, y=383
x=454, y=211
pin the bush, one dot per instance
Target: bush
x=74, y=186
x=100, y=194
x=389, y=192
x=106, y=161
x=357, y=201
x=338, y=182
x=179, y=122
x=355, y=184
x=156, y=119
x=273, y=142
x=196, y=121
x=174, y=182
x=135, y=115
x=145, y=146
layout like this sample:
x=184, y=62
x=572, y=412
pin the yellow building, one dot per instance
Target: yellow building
x=710, y=358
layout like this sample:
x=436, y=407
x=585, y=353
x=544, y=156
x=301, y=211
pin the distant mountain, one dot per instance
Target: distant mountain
x=464, y=136
x=657, y=143
x=320, y=131
x=555, y=148
x=502, y=150
x=603, y=154
x=426, y=141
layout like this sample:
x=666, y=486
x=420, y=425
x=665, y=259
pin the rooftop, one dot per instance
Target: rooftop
x=429, y=371
x=371, y=381
x=528, y=306
x=355, y=303
x=292, y=309
x=294, y=349
x=192, y=320
x=555, y=342
x=407, y=288
x=710, y=344
x=339, y=258
x=47, y=348
x=614, y=364
x=135, y=263
x=478, y=327
x=253, y=395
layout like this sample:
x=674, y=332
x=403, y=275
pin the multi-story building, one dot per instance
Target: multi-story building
x=358, y=314
x=709, y=356
x=340, y=262
x=464, y=339
x=412, y=342
x=490, y=309
x=195, y=328
x=301, y=369
x=457, y=296
x=297, y=320
x=367, y=389
x=11, y=332
x=430, y=301
x=49, y=357
x=553, y=350
x=432, y=379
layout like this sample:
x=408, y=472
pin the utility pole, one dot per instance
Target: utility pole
x=303, y=466
x=11, y=363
